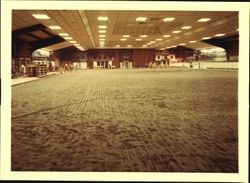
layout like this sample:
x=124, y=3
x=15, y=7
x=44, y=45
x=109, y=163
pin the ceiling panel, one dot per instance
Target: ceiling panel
x=82, y=26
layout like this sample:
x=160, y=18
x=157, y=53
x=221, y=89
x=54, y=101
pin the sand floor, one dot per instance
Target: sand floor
x=173, y=120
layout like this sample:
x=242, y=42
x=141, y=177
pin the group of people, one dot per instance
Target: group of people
x=154, y=65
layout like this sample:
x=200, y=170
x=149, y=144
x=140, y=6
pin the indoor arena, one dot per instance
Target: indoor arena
x=124, y=91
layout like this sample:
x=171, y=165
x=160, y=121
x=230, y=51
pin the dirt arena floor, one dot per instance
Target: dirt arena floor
x=173, y=120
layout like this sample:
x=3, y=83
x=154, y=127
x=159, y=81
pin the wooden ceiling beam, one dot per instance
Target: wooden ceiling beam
x=46, y=42
x=26, y=30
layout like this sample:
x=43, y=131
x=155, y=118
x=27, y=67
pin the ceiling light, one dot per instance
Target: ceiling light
x=117, y=45
x=192, y=41
x=102, y=18
x=40, y=16
x=141, y=19
x=152, y=42
x=158, y=39
x=173, y=46
x=102, y=39
x=168, y=19
x=204, y=19
x=166, y=36
x=125, y=36
x=218, y=35
x=138, y=39
x=54, y=27
x=182, y=44
x=144, y=36
x=76, y=44
x=162, y=49
x=102, y=31
x=102, y=35
x=176, y=32
x=206, y=38
x=186, y=27
x=63, y=34
x=129, y=45
x=72, y=41
x=67, y=38
x=123, y=39
x=102, y=26
x=144, y=45
x=149, y=43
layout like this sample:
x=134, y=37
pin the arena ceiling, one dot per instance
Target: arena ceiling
x=160, y=29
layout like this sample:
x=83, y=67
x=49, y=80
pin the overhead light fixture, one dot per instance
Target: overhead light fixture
x=102, y=31
x=158, y=39
x=67, y=38
x=101, y=39
x=54, y=27
x=129, y=45
x=182, y=44
x=148, y=43
x=176, y=32
x=192, y=41
x=102, y=18
x=125, y=36
x=102, y=26
x=144, y=45
x=141, y=19
x=144, y=36
x=186, y=27
x=218, y=35
x=76, y=44
x=117, y=45
x=72, y=41
x=152, y=42
x=102, y=35
x=40, y=16
x=173, y=46
x=168, y=19
x=166, y=36
x=123, y=39
x=138, y=39
x=206, y=38
x=63, y=34
x=204, y=19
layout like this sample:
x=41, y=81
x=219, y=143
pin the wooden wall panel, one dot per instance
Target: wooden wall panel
x=141, y=57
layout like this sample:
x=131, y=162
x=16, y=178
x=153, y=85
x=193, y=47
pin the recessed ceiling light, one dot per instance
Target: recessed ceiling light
x=176, y=32
x=158, y=39
x=129, y=45
x=102, y=35
x=102, y=18
x=67, y=38
x=186, y=27
x=102, y=26
x=125, y=36
x=138, y=39
x=63, y=34
x=218, y=35
x=192, y=41
x=40, y=16
x=204, y=19
x=102, y=31
x=54, y=27
x=117, y=45
x=166, y=36
x=144, y=45
x=149, y=43
x=72, y=41
x=173, y=46
x=168, y=19
x=123, y=39
x=206, y=38
x=182, y=44
x=102, y=39
x=143, y=35
x=141, y=19
x=76, y=44
x=152, y=42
